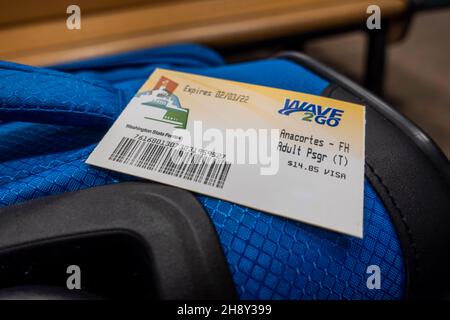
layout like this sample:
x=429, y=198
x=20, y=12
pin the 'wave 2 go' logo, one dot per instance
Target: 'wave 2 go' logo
x=313, y=112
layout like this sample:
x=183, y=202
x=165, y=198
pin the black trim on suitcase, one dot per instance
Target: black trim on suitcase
x=131, y=240
x=412, y=177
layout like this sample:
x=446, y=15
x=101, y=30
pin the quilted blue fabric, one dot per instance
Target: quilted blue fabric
x=52, y=119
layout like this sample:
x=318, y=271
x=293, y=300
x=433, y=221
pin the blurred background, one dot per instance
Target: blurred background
x=417, y=80
x=407, y=61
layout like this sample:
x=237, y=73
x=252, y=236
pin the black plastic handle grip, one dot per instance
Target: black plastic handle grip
x=178, y=238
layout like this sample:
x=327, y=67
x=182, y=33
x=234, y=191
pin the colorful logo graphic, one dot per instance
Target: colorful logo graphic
x=169, y=109
x=313, y=112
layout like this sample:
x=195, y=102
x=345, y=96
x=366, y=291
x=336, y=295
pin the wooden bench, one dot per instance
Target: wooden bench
x=34, y=32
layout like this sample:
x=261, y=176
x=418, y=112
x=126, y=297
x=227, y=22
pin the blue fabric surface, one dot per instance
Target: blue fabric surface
x=269, y=257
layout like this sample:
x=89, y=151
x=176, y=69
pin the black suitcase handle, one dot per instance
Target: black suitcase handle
x=168, y=245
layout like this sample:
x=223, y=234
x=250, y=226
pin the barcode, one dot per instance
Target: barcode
x=172, y=161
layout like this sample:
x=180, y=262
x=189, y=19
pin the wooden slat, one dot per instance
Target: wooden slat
x=212, y=22
x=26, y=11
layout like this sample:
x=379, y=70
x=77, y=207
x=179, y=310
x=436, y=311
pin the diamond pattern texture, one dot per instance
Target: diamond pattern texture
x=269, y=257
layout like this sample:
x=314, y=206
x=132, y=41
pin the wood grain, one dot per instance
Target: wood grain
x=211, y=22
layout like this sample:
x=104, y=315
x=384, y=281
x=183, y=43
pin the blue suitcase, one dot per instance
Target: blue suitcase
x=51, y=119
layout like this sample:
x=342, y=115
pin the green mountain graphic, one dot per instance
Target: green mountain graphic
x=175, y=114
